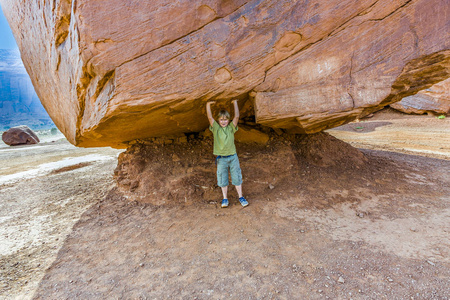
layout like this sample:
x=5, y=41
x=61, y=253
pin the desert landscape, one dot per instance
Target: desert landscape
x=374, y=229
x=349, y=198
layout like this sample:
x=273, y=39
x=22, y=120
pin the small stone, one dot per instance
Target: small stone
x=320, y=291
x=361, y=215
x=431, y=263
x=271, y=186
x=390, y=279
x=413, y=229
x=20, y=135
x=341, y=280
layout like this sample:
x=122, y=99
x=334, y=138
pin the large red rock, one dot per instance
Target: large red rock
x=109, y=72
x=435, y=100
x=20, y=135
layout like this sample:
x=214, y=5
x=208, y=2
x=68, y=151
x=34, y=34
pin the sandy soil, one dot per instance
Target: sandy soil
x=44, y=189
x=390, y=130
x=374, y=231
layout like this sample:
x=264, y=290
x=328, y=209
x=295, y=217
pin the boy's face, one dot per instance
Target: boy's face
x=223, y=122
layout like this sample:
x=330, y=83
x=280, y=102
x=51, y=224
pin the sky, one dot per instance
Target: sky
x=7, y=40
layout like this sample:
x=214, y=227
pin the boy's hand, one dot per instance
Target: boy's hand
x=208, y=112
x=236, y=112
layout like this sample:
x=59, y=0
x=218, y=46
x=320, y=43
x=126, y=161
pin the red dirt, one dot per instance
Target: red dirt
x=325, y=221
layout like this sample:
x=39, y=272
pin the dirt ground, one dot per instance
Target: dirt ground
x=44, y=189
x=390, y=130
x=374, y=226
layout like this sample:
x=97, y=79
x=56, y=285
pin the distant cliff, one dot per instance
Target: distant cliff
x=19, y=104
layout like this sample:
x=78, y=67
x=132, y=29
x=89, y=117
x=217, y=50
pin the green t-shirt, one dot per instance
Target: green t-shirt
x=223, y=139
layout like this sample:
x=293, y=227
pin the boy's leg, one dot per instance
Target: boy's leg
x=236, y=177
x=222, y=175
x=239, y=190
x=224, y=191
x=222, y=179
x=236, y=174
x=225, y=199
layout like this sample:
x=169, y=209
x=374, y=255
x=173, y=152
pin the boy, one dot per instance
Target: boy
x=224, y=148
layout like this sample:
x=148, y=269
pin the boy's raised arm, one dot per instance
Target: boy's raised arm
x=208, y=112
x=236, y=113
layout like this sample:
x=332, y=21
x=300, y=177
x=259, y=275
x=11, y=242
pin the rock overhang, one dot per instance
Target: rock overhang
x=110, y=74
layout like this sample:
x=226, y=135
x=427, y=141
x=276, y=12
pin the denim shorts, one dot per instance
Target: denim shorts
x=231, y=163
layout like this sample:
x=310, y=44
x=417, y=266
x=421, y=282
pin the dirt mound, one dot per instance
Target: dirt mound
x=325, y=150
x=183, y=170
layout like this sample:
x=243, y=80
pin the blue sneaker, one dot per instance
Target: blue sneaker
x=225, y=203
x=243, y=201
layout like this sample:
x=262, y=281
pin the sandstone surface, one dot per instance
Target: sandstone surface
x=20, y=135
x=435, y=100
x=109, y=72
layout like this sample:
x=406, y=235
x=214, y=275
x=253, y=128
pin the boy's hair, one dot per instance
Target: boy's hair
x=224, y=113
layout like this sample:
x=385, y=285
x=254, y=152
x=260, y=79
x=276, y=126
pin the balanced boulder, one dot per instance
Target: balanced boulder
x=20, y=135
x=110, y=72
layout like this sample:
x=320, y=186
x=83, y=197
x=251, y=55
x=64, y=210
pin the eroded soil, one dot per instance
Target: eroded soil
x=376, y=230
x=44, y=189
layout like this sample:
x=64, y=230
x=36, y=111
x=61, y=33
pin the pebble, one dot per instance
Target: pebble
x=431, y=263
x=271, y=186
x=341, y=280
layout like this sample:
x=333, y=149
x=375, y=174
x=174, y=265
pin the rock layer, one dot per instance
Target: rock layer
x=435, y=100
x=112, y=72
